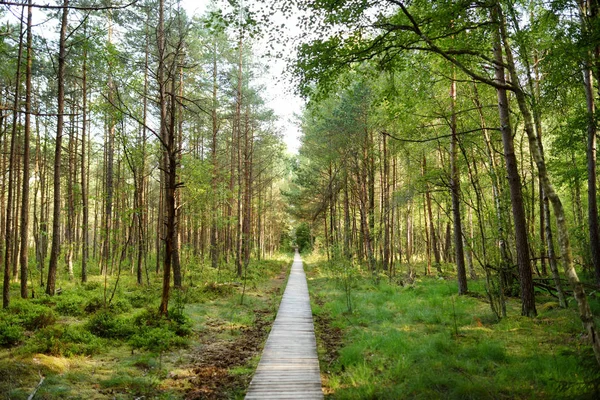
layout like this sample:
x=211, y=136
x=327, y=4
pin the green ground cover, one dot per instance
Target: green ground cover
x=207, y=348
x=423, y=341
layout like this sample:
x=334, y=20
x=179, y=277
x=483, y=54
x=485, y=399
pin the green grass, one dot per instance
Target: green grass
x=87, y=350
x=425, y=342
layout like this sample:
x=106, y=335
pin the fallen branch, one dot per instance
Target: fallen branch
x=39, y=385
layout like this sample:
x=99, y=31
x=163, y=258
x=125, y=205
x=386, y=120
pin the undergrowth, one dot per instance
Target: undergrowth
x=423, y=341
x=87, y=345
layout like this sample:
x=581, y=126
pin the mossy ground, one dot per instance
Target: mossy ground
x=423, y=341
x=213, y=358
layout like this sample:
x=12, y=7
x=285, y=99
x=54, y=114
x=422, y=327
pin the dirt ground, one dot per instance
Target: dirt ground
x=215, y=357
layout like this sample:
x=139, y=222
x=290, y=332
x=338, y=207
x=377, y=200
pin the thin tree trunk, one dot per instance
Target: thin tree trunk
x=214, y=246
x=10, y=204
x=24, y=256
x=55, y=251
x=85, y=234
x=585, y=312
x=520, y=225
x=455, y=188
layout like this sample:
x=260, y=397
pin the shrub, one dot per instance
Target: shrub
x=120, y=305
x=33, y=316
x=116, y=306
x=106, y=324
x=70, y=305
x=177, y=322
x=156, y=340
x=64, y=340
x=11, y=332
x=93, y=305
x=140, y=298
x=92, y=285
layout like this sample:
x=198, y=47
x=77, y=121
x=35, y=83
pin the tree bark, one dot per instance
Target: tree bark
x=24, y=256
x=455, y=188
x=585, y=313
x=514, y=182
x=10, y=204
x=62, y=54
x=85, y=234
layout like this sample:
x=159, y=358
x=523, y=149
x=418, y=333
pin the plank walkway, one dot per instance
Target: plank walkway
x=289, y=366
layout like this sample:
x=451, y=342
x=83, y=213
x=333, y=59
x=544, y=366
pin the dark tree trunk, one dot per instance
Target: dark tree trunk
x=55, y=251
x=11, y=204
x=514, y=183
x=85, y=234
x=24, y=256
x=455, y=188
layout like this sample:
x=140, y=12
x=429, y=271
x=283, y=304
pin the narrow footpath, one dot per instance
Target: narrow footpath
x=289, y=366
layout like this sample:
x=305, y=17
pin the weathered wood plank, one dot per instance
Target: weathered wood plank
x=289, y=367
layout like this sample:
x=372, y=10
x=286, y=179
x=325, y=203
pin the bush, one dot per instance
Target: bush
x=116, y=306
x=61, y=340
x=107, y=325
x=33, y=316
x=92, y=285
x=156, y=340
x=177, y=322
x=93, y=305
x=70, y=305
x=139, y=298
x=11, y=332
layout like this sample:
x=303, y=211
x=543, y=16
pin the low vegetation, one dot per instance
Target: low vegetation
x=85, y=345
x=420, y=340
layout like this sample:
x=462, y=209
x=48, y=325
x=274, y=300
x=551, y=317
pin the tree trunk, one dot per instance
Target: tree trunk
x=585, y=313
x=514, y=182
x=24, y=256
x=10, y=204
x=214, y=246
x=167, y=140
x=455, y=188
x=62, y=54
x=85, y=234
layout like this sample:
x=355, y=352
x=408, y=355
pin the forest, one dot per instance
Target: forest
x=443, y=198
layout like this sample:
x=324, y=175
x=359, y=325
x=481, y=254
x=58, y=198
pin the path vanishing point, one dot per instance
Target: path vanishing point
x=289, y=366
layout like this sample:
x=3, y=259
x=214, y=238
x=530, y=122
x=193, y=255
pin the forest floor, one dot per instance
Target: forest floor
x=124, y=353
x=414, y=338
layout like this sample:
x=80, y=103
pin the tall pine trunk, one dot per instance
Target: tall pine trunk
x=55, y=250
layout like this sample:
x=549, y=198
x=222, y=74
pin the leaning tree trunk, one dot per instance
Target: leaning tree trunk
x=514, y=182
x=585, y=313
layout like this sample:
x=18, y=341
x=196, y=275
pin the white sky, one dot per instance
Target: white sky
x=279, y=94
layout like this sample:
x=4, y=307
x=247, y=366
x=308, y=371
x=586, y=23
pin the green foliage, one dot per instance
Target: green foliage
x=72, y=305
x=92, y=285
x=32, y=316
x=149, y=319
x=65, y=340
x=422, y=341
x=156, y=340
x=11, y=332
x=140, y=298
x=118, y=305
x=107, y=324
x=132, y=385
x=303, y=237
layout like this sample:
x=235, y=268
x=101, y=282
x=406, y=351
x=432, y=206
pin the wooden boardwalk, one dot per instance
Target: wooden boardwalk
x=289, y=367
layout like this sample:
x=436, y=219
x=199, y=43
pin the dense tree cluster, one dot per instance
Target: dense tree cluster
x=451, y=132
x=133, y=136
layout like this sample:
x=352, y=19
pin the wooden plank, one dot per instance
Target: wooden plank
x=289, y=366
